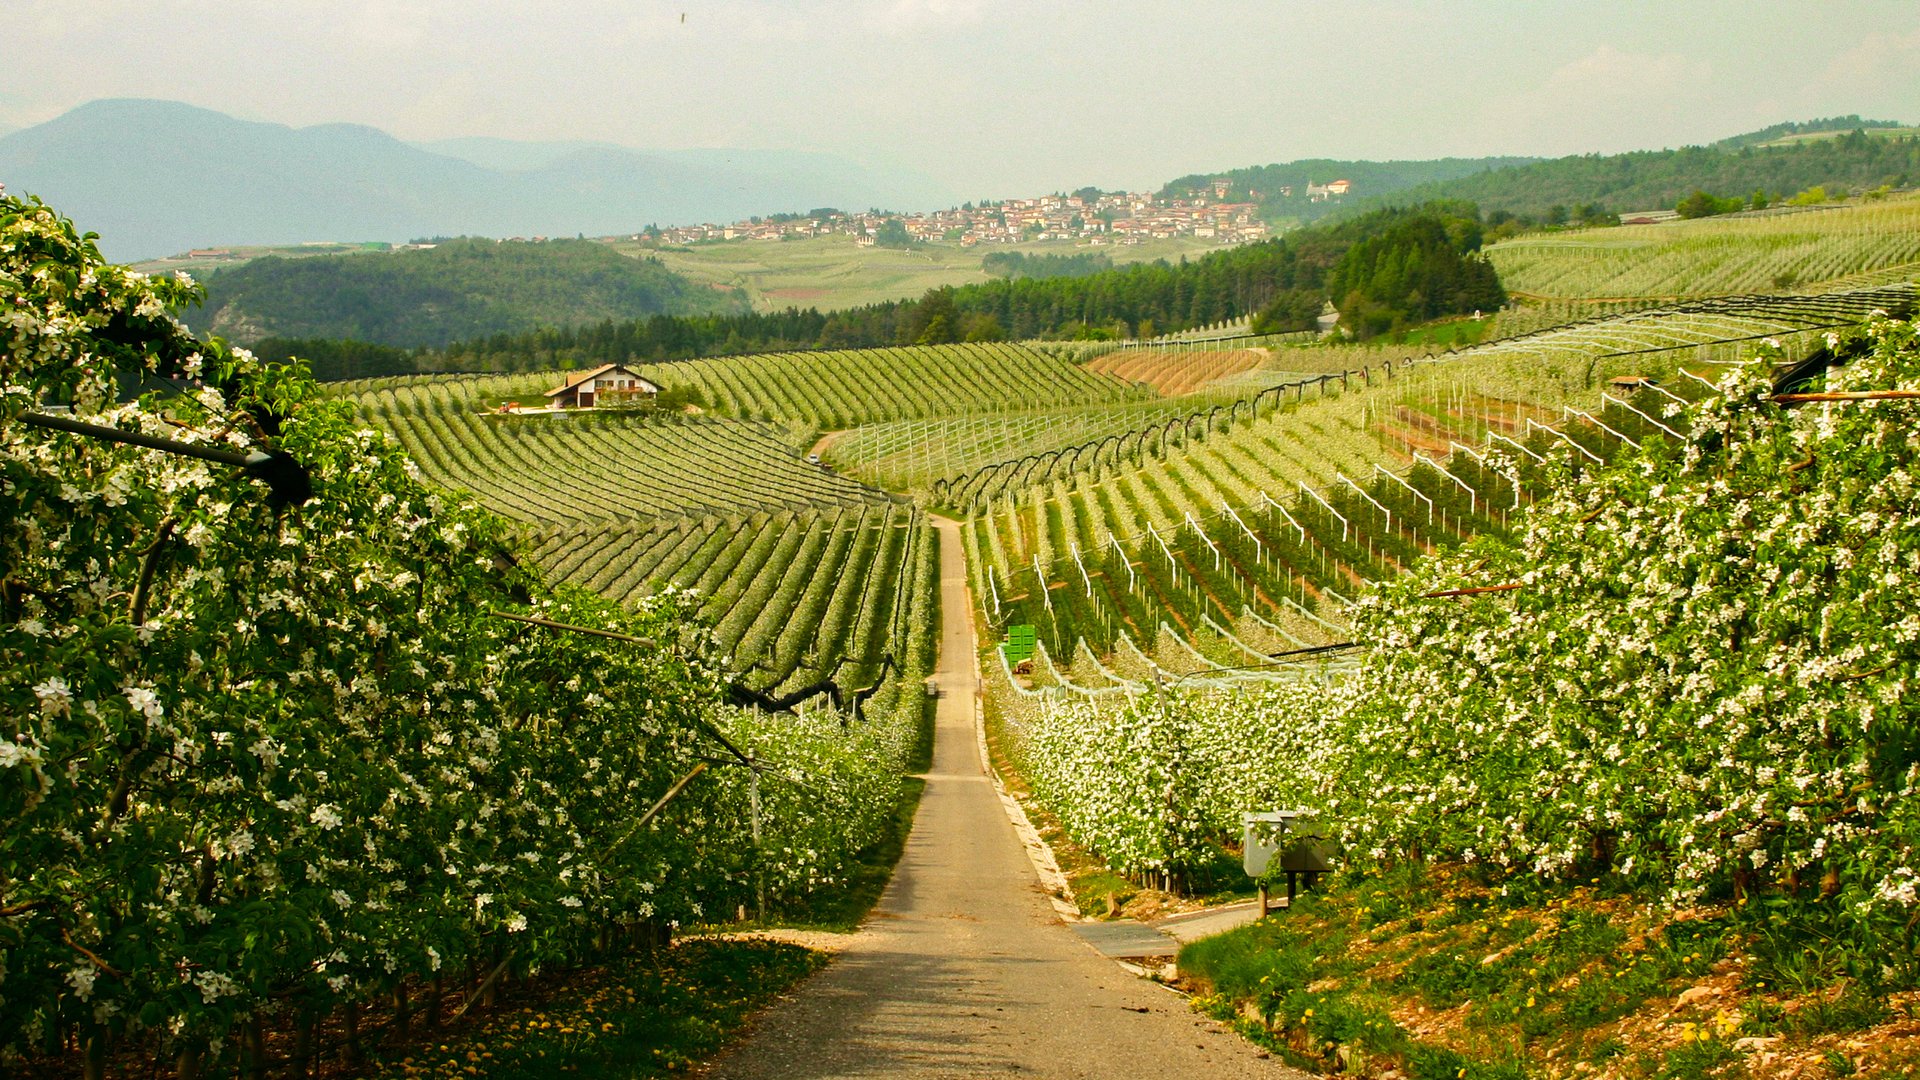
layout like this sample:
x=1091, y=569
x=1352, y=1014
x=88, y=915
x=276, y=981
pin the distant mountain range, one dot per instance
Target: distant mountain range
x=157, y=178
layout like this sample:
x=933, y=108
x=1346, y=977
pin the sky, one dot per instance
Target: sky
x=993, y=98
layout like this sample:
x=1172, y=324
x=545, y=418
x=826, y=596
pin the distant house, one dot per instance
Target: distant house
x=1323, y=192
x=606, y=384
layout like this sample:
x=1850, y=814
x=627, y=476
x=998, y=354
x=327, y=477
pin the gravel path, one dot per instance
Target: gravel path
x=964, y=969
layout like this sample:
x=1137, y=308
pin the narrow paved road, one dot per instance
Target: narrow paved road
x=964, y=969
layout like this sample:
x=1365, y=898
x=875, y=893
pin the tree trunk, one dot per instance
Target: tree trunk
x=352, y=1022
x=402, y=1016
x=303, y=1044
x=99, y=1044
x=255, y=1038
x=187, y=1065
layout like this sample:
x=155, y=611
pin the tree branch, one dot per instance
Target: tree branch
x=89, y=954
x=148, y=566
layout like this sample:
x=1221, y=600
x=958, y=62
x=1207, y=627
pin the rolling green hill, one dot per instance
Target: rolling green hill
x=1650, y=179
x=806, y=576
x=1842, y=152
x=459, y=289
x=1281, y=190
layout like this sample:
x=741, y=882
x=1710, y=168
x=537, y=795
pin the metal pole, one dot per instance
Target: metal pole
x=759, y=872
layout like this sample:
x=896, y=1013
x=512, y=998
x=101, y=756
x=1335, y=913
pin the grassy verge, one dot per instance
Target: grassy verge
x=1425, y=976
x=654, y=1017
x=1457, y=333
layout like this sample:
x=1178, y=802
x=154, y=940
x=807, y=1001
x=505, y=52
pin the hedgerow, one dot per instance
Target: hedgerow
x=1698, y=687
x=261, y=761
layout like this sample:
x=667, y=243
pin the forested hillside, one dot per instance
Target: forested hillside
x=1554, y=190
x=1281, y=190
x=459, y=289
x=1019, y=264
x=1652, y=179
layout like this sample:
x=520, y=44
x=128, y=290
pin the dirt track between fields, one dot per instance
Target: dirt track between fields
x=964, y=970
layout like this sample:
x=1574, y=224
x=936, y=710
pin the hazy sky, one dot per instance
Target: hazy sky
x=994, y=98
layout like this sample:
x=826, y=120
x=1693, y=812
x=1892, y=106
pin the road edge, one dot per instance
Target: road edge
x=1039, y=852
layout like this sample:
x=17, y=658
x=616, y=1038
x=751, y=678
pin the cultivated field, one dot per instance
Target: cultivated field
x=832, y=272
x=1770, y=251
x=1406, y=588
x=1210, y=527
x=840, y=389
x=1166, y=509
x=805, y=575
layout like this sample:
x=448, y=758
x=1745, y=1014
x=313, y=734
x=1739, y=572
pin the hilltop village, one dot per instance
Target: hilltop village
x=1088, y=216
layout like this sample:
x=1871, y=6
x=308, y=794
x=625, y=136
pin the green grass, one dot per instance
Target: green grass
x=1825, y=136
x=1283, y=988
x=1434, y=973
x=1457, y=333
x=241, y=254
x=654, y=1016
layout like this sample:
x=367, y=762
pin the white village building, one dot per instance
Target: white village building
x=608, y=384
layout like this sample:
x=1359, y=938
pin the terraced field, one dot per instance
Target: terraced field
x=1173, y=371
x=1144, y=536
x=911, y=455
x=817, y=585
x=1718, y=256
x=831, y=390
x=796, y=596
x=1213, y=548
x=590, y=468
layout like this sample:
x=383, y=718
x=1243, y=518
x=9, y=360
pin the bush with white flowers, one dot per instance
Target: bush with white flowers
x=1154, y=785
x=1701, y=685
x=257, y=760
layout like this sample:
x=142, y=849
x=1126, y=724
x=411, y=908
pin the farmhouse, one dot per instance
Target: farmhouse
x=607, y=384
x=1323, y=192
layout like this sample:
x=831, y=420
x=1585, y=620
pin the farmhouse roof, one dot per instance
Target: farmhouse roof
x=583, y=376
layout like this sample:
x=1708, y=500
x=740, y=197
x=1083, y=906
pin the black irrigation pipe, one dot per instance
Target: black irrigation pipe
x=1314, y=651
x=1727, y=341
x=1204, y=672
